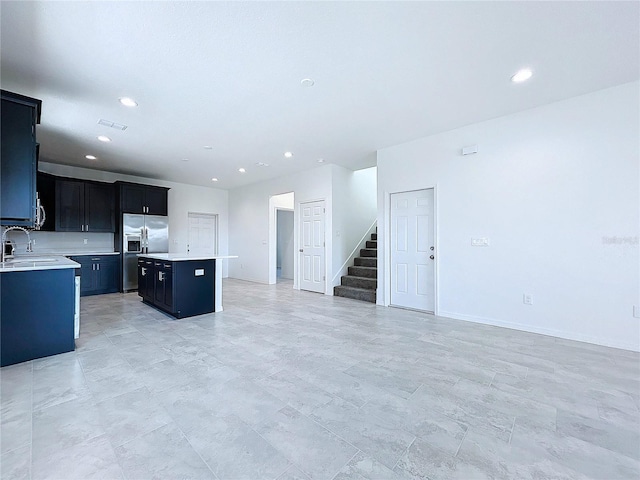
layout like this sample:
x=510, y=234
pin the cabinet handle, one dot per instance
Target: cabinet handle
x=93, y=266
x=167, y=265
x=83, y=228
x=87, y=227
x=143, y=271
x=98, y=258
x=98, y=265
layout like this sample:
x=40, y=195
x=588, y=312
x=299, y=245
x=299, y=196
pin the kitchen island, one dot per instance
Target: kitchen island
x=38, y=307
x=181, y=285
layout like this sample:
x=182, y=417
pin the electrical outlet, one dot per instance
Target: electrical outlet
x=241, y=266
x=86, y=240
x=636, y=311
x=480, y=242
x=527, y=299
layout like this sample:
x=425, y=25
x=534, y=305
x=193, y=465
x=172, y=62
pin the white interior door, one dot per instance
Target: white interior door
x=312, y=246
x=413, y=250
x=203, y=235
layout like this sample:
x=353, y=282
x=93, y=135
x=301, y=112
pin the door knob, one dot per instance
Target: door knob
x=301, y=250
x=431, y=257
x=431, y=248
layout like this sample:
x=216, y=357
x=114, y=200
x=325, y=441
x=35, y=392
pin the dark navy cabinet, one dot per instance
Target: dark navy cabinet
x=144, y=199
x=84, y=206
x=98, y=273
x=19, y=116
x=180, y=288
x=36, y=314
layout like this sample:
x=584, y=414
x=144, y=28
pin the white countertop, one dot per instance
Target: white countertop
x=79, y=254
x=181, y=257
x=37, y=262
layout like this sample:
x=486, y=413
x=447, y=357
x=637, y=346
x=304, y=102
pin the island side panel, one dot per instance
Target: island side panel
x=217, y=296
x=37, y=314
x=194, y=287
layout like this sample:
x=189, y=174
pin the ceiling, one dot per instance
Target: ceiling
x=228, y=75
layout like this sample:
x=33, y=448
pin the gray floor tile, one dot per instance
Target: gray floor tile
x=363, y=467
x=317, y=452
x=16, y=464
x=480, y=401
x=163, y=454
x=62, y=426
x=378, y=437
x=93, y=458
x=234, y=451
x=130, y=415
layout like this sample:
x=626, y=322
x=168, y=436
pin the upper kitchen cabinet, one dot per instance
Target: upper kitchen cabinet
x=19, y=116
x=144, y=199
x=84, y=206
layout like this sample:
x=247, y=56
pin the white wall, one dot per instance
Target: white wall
x=555, y=189
x=249, y=214
x=285, y=250
x=182, y=199
x=354, y=213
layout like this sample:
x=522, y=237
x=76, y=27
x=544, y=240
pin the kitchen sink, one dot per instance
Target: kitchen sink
x=15, y=261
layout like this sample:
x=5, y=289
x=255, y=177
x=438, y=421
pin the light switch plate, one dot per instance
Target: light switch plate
x=636, y=311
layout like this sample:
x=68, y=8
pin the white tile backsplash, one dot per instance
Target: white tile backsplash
x=63, y=242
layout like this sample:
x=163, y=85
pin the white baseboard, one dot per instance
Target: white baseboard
x=579, y=337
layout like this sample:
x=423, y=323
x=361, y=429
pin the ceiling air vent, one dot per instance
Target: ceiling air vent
x=107, y=123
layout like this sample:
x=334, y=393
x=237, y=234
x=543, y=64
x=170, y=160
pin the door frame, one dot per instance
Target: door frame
x=387, y=246
x=216, y=220
x=273, y=255
x=297, y=241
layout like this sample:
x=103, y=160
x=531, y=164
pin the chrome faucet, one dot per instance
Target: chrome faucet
x=4, y=237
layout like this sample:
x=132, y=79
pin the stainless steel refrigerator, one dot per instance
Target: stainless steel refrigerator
x=141, y=234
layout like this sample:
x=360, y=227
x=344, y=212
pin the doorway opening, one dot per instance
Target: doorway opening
x=281, y=238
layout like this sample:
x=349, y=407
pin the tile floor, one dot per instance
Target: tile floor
x=293, y=385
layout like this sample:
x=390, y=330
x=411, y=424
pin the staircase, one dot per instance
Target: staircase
x=362, y=280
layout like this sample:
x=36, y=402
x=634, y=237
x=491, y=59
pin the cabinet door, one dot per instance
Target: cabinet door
x=18, y=166
x=87, y=275
x=158, y=294
x=107, y=274
x=149, y=294
x=69, y=206
x=167, y=300
x=156, y=201
x=99, y=207
x=142, y=278
x=132, y=198
x=47, y=191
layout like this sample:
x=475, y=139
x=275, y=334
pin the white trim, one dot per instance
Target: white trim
x=606, y=342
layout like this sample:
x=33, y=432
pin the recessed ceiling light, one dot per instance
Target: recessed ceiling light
x=208, y=147
x=104, y=138
x=262, y=164
x=128, y=102
x=307, y=82
x=321, y=160
x=522, y=75
x=241, y=170
x=214, y=179
x=184, y=160
x=288, y=154
x=90, y=157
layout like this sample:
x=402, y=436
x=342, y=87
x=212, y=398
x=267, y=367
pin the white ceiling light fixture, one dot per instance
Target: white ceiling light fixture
x=321, y=160
x=288, y=154
x=104, y=138
x=522, y=75
x=241, y=170
x=128, y=102
x=214, y=179
x=262, y=164
x=90, y=157
x=307, y=82
x=184, y=160
x=208, y=147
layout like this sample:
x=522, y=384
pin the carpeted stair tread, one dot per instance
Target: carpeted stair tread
x=355, y=293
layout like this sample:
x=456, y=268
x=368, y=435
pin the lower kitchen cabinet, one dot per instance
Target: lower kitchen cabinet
x=98, y=273
x=180, y=288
